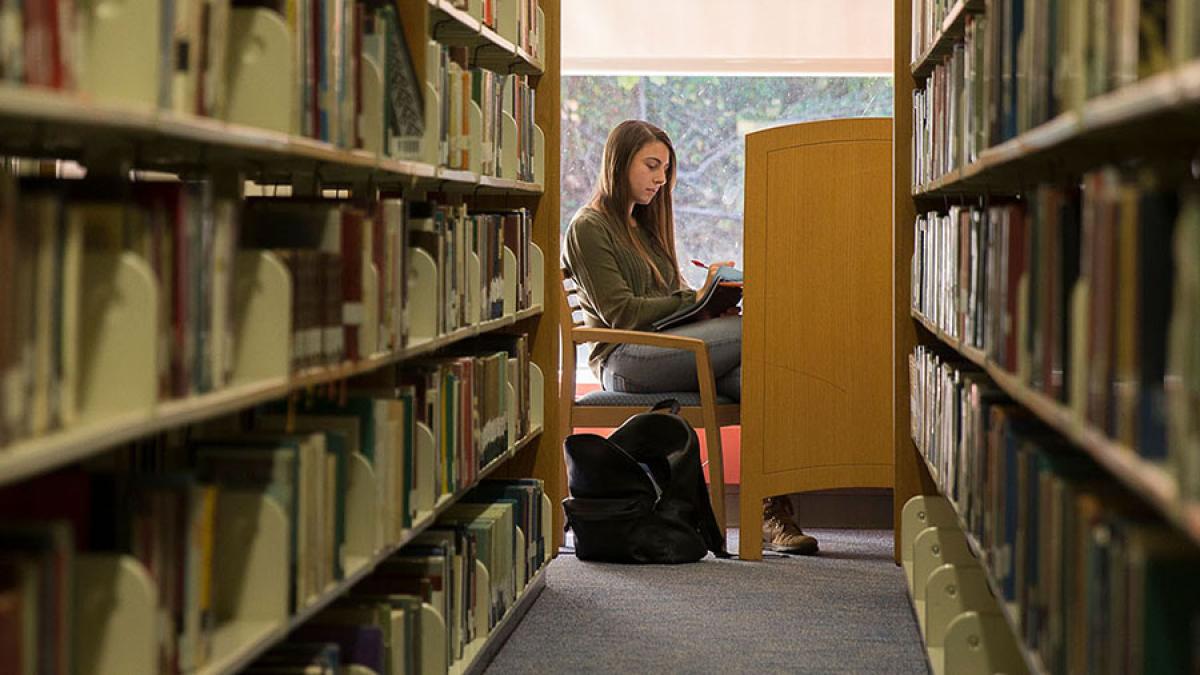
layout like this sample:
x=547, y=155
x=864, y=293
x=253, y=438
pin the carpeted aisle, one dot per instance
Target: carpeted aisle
x=842, y=611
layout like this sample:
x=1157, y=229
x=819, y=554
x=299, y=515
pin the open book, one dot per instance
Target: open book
x=719, y=297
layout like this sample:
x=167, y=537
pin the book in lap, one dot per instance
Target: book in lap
x=720, y=297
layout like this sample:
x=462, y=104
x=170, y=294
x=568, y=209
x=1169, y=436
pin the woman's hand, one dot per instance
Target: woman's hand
x=712, y=275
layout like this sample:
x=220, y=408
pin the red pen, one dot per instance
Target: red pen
x=697, y=263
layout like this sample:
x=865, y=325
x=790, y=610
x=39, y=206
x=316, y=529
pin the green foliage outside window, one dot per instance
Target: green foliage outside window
x=707, y=119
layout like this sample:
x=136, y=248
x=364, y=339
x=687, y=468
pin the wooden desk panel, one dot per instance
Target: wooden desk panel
x=817, y=348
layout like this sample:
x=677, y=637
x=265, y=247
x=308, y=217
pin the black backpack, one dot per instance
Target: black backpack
x=638, y=496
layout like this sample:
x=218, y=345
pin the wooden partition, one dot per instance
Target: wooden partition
x=817, y=326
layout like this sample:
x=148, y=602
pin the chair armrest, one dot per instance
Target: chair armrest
x=634, y=337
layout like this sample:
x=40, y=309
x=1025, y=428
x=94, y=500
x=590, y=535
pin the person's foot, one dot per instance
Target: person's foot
x=780, y=532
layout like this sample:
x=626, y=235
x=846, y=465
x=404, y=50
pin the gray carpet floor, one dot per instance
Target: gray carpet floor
x=843, y=611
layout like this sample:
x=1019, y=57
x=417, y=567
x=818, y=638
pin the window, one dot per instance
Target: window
x=707, y=118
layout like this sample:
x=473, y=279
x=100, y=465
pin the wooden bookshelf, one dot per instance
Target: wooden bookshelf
x=1155, y=113
x=910, y=477
x=1151, y=119
x=1146, y=479
x=113, y=138
x=950, y=33
x=252, y=649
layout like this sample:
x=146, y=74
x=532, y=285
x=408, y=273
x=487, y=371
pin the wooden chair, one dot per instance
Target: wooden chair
x=608, y=409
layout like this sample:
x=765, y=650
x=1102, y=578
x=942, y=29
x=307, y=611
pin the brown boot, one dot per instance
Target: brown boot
x=780, y=532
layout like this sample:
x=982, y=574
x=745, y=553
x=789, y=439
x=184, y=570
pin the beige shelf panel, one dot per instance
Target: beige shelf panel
x=1132, y=118
x=1033, y=662
x=1147, y=479
x=33, y=456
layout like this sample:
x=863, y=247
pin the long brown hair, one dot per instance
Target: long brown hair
x=612, y=195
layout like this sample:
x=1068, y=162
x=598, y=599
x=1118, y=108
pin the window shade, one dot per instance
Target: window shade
x=753, y=37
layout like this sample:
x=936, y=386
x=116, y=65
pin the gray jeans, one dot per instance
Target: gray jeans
x=639, y=369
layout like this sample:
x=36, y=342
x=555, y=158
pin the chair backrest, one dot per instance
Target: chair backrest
x=572, y=303
x=568, y=322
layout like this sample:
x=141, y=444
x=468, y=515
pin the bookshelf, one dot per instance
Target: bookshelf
x=111, y=138
x=1040, y=335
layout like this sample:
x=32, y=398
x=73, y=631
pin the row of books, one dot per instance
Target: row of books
x=1085, y=293
x=527, y=131
x=340, y=255
x=1098, y=583
x=528, y=27
x=459, y=399
x=1021, y=63
x=375, y=242
x=927, y=19
x=946, y=133
x=166, y=521
x=453, y=236
x=341, y=43
x=458, y=87
x=348, y=264
x=58, y=44
x=192, y=65
x=158, y=499
x=337, y=44
x=462, y=89
x=57, y=236
x=379, y=626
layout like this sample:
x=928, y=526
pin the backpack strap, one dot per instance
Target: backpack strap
x=710, y=531
x=658, y=491
x=666, y=403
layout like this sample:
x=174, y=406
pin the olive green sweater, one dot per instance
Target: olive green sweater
x=617, y=288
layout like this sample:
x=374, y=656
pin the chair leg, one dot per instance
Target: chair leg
x=716, y=470
x=712, y=431
x=751, y=524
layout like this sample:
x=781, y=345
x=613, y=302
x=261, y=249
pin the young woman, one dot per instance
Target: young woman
x=620, y=250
